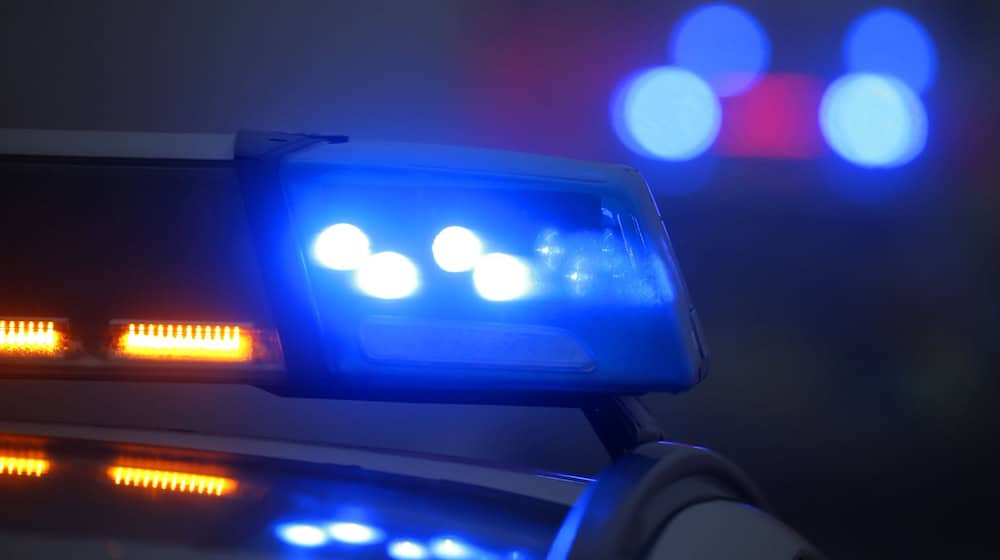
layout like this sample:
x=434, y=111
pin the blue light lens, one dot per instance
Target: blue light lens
x=456, y=249
x=873, y=120
x=387, y=275
x=341, y=247
x=889, y=41
x=667, y=113
x=502, y=277
x=723, y=44
x=407, y=550
x=451, y=548
x=354, y=533
x=301, y=534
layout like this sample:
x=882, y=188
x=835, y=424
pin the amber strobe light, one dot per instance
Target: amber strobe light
x=184, y=341
x=23, y=466
x=30, y=338
x=171, y=481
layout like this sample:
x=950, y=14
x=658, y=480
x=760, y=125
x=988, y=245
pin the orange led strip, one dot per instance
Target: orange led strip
x=23, y=466
x=171, y=481
x=30, y=338
x=188, y=342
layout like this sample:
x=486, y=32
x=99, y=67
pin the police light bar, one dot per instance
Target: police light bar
x=428, y=269
x=371, y=270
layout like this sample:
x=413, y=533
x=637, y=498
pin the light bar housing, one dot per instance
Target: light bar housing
x=636, y=333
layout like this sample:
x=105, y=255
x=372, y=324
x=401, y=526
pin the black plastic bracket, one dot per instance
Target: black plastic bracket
x=636, y=496
x=623, y=423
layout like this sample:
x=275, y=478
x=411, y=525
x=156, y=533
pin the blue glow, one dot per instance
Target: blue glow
x=301, y=534
x=456, y=249
x=387, y=275
x=666, y=113
x=407, y=550
x=723, y=44
x=451, y=548
x=889, y=41
x=341, y=247
x=354, y=533
x=502, y=277
x=873, y=120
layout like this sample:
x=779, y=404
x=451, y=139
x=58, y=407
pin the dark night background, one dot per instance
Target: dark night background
x=853, y=340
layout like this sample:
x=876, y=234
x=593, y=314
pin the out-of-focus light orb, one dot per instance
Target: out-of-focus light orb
x=873, y=120
x=407, y=550
x=301, y=534
x=666, y=113
x=387, y=275
x=456, y=249
x=354, y=533
x=341, y=247
x=723, y=44
x=891, y=42
x=451, y=548
x=502, y=277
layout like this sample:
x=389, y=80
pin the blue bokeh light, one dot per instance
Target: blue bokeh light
x=873, y=120
x=387, y=275
x=891, y=42
x=723, y=44
x=666, y=113
x=502, y=277
x=354, y=533
x=451, y=548
x=341, y=247
x=456, y=249
x=407, y=550
x=301, y=534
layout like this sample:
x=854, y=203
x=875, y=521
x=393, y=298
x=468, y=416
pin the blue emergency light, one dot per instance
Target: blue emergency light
x=432, y=270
